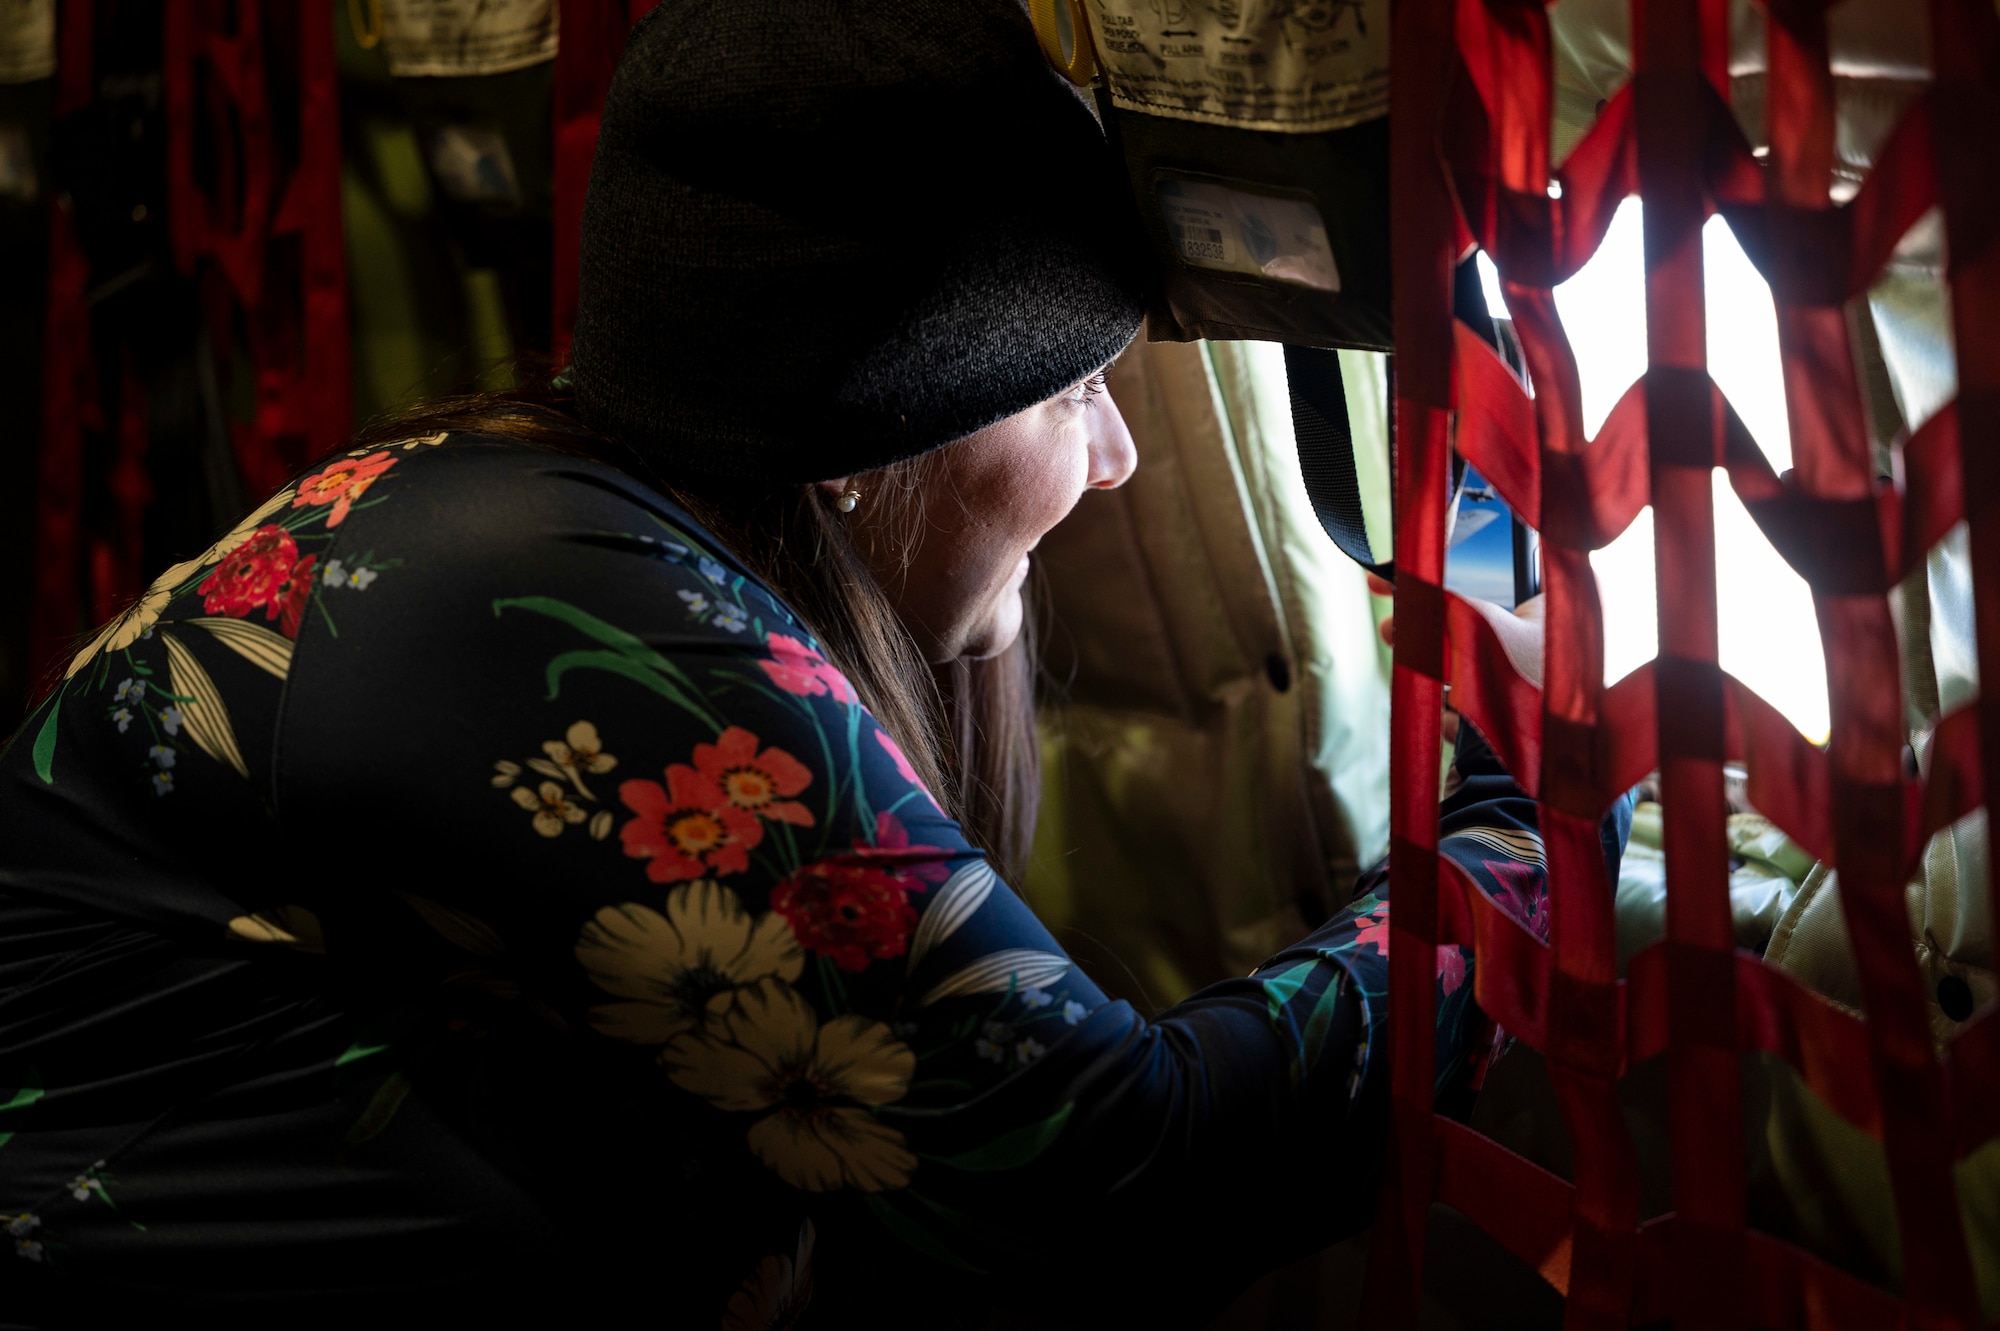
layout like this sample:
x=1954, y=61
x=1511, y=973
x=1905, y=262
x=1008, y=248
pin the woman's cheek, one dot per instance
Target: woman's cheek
x=1054, y=485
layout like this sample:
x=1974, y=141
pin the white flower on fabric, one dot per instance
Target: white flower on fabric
x=22, y=1225
x=994, y=1041
x=682, y=971
x=170, y=721
x=83, y=1185
x=813, y=1086
x=729, y=618
x=713, y=571
x=1029, y=1050
x=28, y=1248
x=580, y=750
x=161, y=755
x=1037, y=998
x=134, y=689
x=696, y=602
x=163, y=783
x=552, y=811
x=135, y=623
x=123, y=716
x=1073, y=1012
x=338, y=574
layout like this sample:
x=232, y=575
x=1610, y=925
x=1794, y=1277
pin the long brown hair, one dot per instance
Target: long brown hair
x=967, y=727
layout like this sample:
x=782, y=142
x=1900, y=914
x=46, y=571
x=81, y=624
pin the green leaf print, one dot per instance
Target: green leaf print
x=1313, y=1039
x=1282, y=988
x=1011, y=1150
x=619, y=665
x=625, y=643
x=1279, y=991
x=30, y=1090
x=45, y=743
x=629, y=656
x=366, y=1047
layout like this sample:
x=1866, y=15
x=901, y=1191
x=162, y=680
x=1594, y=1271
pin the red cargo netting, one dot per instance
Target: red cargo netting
x=263, y=234
x=1472, y=101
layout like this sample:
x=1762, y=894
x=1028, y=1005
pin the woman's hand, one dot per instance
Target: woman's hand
x=1519, y=631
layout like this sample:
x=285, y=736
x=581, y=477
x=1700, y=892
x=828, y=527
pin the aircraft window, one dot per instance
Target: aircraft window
x=1769, y=637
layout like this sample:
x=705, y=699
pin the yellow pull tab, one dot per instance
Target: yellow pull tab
x=1065, y=38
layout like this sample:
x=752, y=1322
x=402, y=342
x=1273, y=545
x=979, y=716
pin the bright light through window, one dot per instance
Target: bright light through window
x=1769, y=637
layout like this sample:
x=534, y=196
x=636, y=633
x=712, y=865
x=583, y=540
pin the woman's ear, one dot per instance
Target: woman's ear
x=836, y=487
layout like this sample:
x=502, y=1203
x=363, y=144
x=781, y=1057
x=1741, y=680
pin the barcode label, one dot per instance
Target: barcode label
x=1200, y=242
x=1213, y=225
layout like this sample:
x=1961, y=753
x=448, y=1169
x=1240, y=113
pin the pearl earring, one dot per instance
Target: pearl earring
x=847, y=501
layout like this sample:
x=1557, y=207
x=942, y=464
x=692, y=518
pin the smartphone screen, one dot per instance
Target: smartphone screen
x=1492, y=556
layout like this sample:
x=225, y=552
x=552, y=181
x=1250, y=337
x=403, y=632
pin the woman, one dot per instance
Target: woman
x=514, y=874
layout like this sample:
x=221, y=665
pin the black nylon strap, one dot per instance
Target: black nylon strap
x=1326, y=439
x=1326, y=451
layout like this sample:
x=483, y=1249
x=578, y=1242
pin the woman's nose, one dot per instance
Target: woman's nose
x=1113, y=455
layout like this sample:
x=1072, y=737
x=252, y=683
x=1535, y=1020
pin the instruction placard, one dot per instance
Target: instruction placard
x=1295, y=65
x=462, y=38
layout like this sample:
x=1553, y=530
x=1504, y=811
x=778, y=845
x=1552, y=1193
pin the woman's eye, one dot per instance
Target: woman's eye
x=1089, y=388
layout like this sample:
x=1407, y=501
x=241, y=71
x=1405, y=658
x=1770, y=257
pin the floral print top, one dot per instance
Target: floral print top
x=466, y=889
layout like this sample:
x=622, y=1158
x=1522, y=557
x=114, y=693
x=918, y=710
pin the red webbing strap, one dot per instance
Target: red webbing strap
x=1681, y=52
x=205, y=55
x=1974, y=1064
x=587, y=48
x=69, y=394
x=1521, y=1204
x=1425, y=255
x=292, y=303
x=1691, y=998
x=1965, y=44
x=1870, y=812
x=1583, y=1044
x=1785, y=1289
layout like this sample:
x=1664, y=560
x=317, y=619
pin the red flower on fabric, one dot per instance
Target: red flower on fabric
x=847, y=909
x=1374, y=928
x=686, y=828
x=797, y=668
x=892, y=845
x=341, y=484
x=1521, y=890
x=755, y=782
x=265, y=573
x=904, y=767
x=855, y=908
x=1451, y=968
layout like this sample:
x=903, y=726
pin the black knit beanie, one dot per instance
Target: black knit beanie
x=823, y=236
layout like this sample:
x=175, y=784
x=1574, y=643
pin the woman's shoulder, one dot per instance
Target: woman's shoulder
x=454, y=513
x=494, y=488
